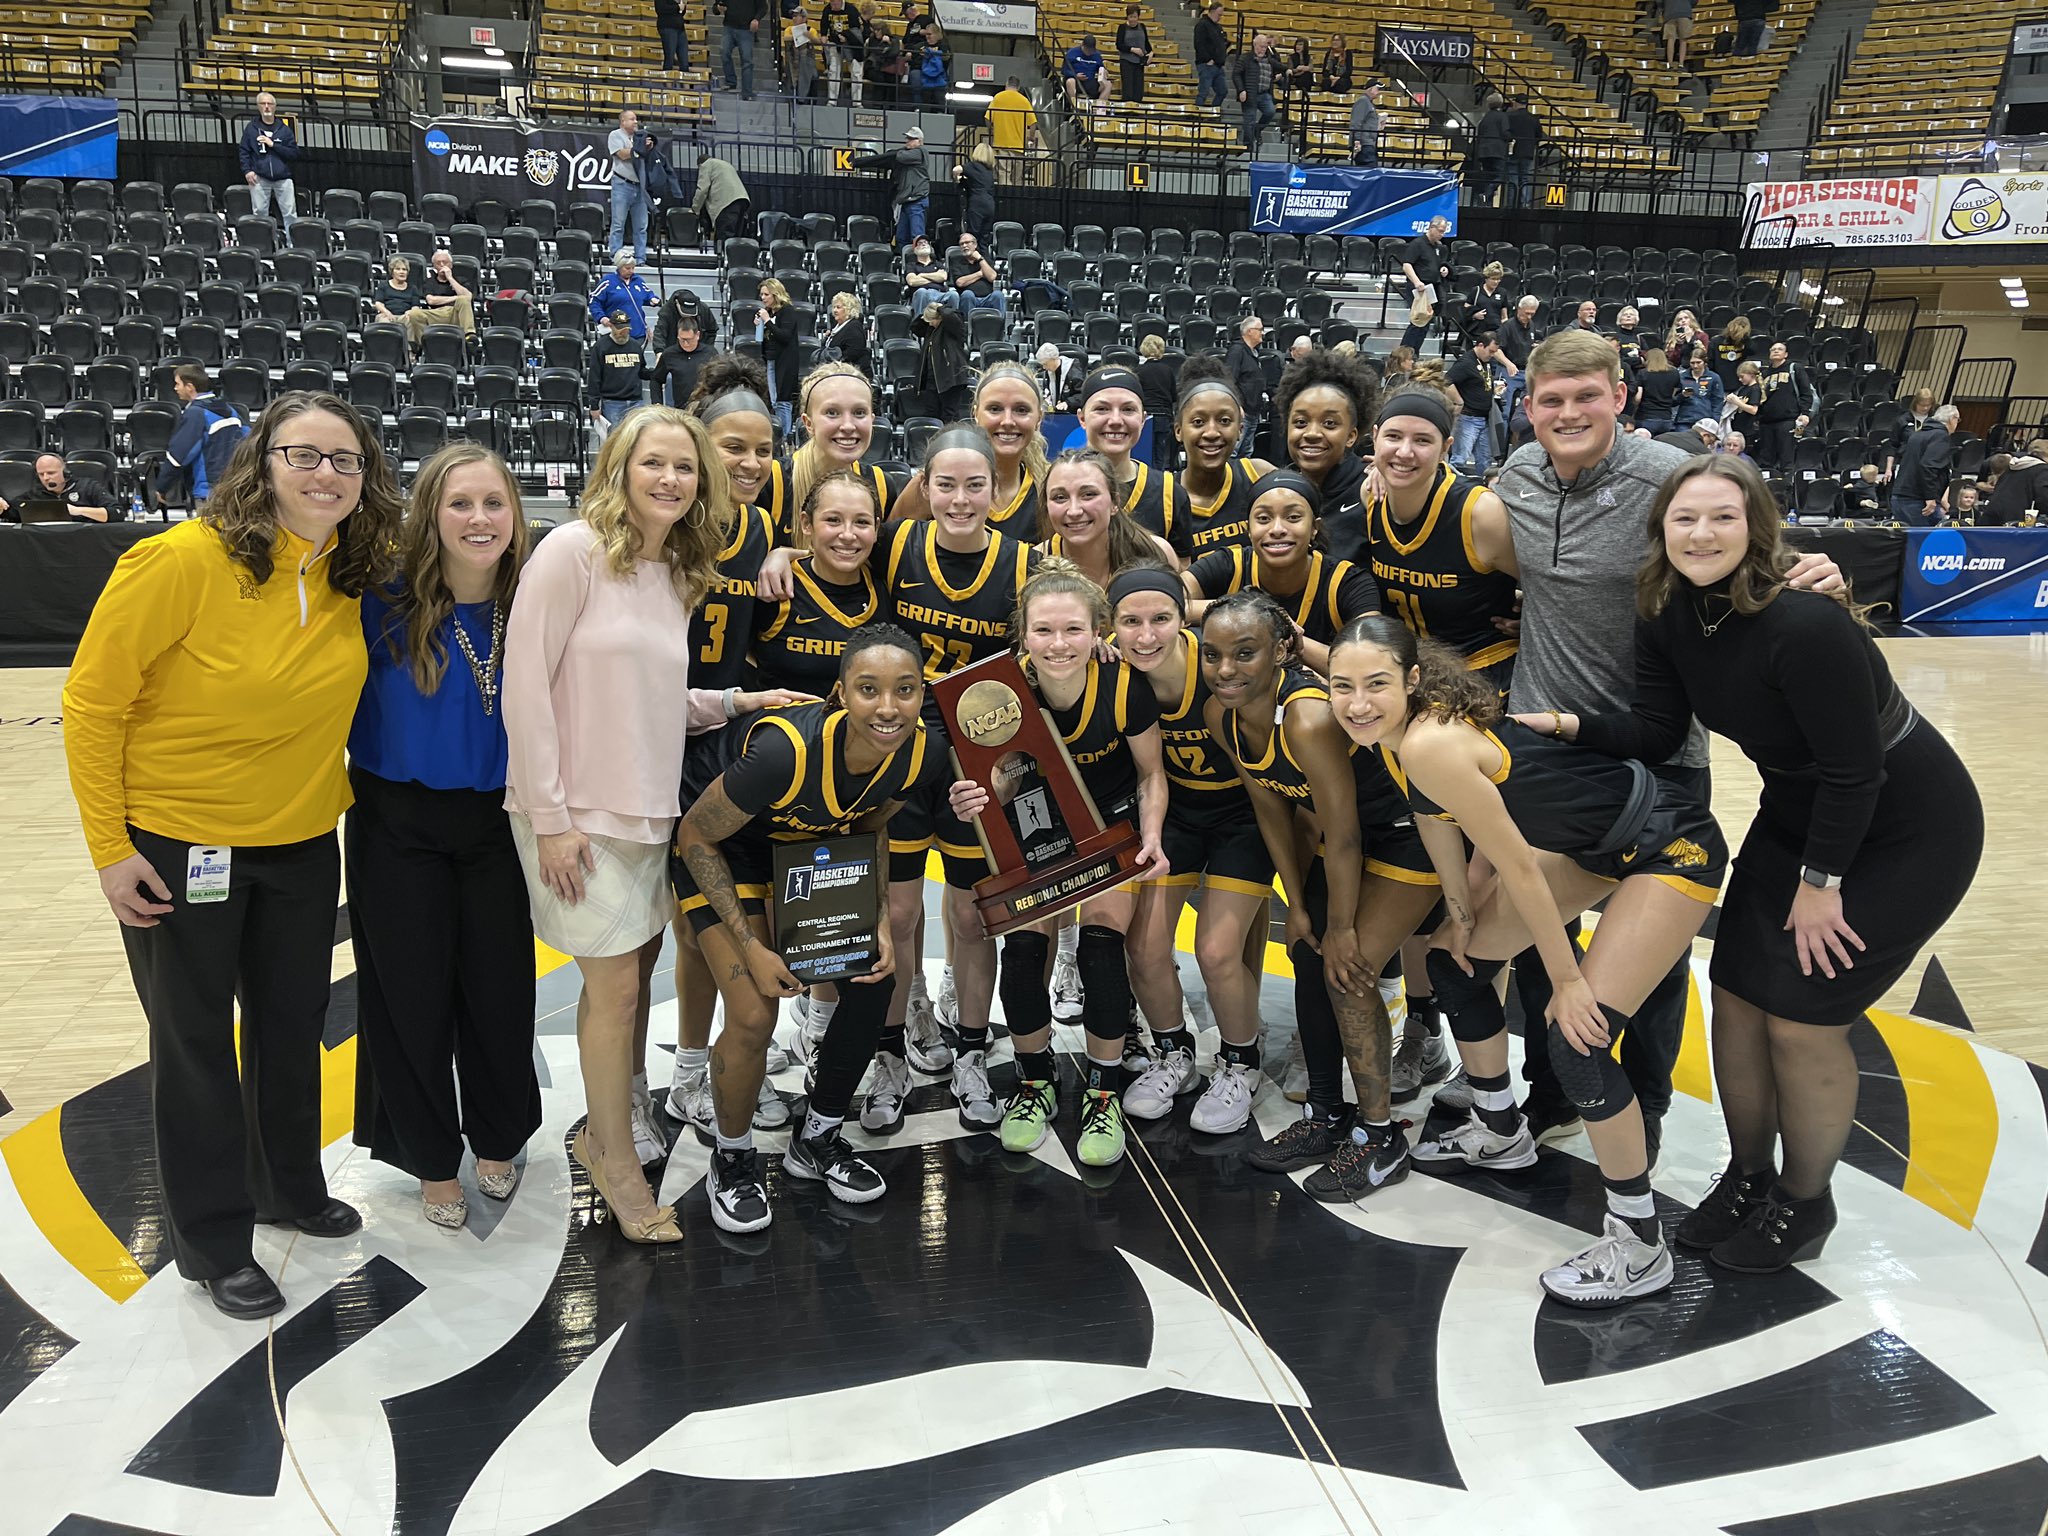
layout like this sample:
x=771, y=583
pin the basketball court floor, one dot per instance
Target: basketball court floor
x=1020, y=1345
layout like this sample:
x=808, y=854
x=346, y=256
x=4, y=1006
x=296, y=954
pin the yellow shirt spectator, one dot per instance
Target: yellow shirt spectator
x=1010, y=118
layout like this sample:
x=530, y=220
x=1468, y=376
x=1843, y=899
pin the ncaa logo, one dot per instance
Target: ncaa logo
x=436, y=142
x=822, y=856
x=1941, y=556
x=542, y=167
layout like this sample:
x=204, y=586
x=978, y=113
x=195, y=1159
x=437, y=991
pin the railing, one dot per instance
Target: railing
x=1825, y=102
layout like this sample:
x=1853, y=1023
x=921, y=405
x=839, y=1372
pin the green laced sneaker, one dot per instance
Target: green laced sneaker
x=1027, y=1118
x=1102, y=1128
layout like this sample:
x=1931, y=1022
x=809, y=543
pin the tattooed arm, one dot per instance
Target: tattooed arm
x=704, y=826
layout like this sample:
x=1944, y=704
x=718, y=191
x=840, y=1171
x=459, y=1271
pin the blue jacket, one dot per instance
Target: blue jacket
x=1080, y=62
x=274, y=163
x=1698, y=399
x=633, y=298
x=203, y=441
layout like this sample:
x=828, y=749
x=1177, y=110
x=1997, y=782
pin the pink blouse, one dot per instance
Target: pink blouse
x=596, y=692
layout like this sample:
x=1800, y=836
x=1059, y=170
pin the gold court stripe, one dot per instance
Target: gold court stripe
x=55, y=1203
x=1951, y=1111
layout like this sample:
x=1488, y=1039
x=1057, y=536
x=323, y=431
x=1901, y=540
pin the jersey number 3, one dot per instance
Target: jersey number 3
x=712, y=650
x=1409, y=607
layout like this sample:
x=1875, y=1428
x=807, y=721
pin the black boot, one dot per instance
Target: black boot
x=1778, y=1231
x=1727, y=1206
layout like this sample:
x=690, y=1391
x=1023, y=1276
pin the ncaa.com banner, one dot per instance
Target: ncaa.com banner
x=1975, y=575
x=1880, y=210
x=472, y=159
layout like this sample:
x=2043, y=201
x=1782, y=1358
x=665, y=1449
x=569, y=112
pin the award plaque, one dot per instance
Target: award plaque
x=1043, y=835
x=828, y=908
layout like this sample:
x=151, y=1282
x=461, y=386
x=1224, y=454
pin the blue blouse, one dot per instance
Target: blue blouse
x=443, y=740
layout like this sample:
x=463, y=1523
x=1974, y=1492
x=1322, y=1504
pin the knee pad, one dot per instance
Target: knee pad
x=1595, y=1084
x=1020, y=982
x=1469, y=1002
x=1105, y=982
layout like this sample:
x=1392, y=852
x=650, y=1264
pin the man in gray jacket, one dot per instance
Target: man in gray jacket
x=721, y=204
x=1365, y=127
x=911, y=194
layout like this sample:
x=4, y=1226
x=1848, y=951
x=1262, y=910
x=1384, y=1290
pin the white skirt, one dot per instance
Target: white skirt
x=626, y=900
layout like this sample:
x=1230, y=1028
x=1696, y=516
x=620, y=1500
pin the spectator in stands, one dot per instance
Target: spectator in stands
x=1735, y=443
x=1525, y=138
x=1677, y=31
x=1399, y=370
x=847, y=341
x=1700, y=396
x=1012, y=124
x=945, y=377
x=801, y=39
x=923, y=277
x=1788, y=405
x=2022, y=489
x=886, y=58
x=629, y=190
x=1926, y=465
x=736, y=41
x=1082, y=75
x=677, y=364
x=1159, y=388
x=1918, y=411
x=1364, y=132
x=202, y=442
x=1490, y=142
x=1252, y=78
x=976, y=176
x=87, y=500
x=1628, y=331
x=1861, y=496
x=1657, y=391
x=780, y=330
x=1248, y=377
x=1963, y=502
x=1740, y=405
x=1133, y=52
x=931, y=72
x=1298, y=69
x=670, y=22
x=845, y=37
x=1426, y=264
x=1684, y=336
x=1212, y=55
x=618, y=366
x=1751, y=17
x=268, y=149
x=1059, y=379
x=974, y=280
x=1471, y=376
x=722, y=206
x=625, y=289
x=675, y=309
x=1708, y=431
x=1519, y=334
x=1336, y=73
x=1731, y=347
x=1300, y=349
x=395, y=297
x=1588, y=317
x=1488, y=308
x=444, y=301
x=910, y=191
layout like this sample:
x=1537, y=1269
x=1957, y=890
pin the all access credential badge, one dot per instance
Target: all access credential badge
x=828, y=908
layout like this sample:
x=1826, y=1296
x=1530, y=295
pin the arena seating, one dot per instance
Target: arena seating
x=334, y=49
x=591, y=57
x=1921, y=86
x=61, y=48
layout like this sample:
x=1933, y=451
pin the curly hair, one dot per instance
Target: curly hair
x=420, y=601
x=243, y=511
x=1352, y=377
x=1443, y=688
x=1129, y=544
x=723, y=373
x=692, y=545
x=1255, y=606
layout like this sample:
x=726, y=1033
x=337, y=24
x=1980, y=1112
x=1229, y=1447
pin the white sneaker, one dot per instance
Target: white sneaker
x=1151, y=1096
x=1066, y=988
x=809, y=1037
x=949, y=1001
x=771, y=1110
x=778, y=1060
x=979, y=1110
x=1470, y=1142
x=689, y=1098
x=1138, y=1058
x=888, y=1087
x=1226, y=1104
x=1618, y=1268
x=1294, y=1078
x=649, y=1144
x=927, y=1048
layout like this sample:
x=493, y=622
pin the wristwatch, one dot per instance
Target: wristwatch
x=1819, y=881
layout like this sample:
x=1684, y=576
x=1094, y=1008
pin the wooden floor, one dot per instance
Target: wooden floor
x=69, y=1019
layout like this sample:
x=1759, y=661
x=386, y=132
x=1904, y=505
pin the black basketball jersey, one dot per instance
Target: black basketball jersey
x=958, y=606
x=786, y=768
x=1158, y=502
x=1277, y=769
x=724, y=621
x=1431, y=576
x=1224, y=521
x=1563, y=798
x=1335, y=593
x=776, y=498
x=799, y=642
x=1019, y=514
x=1115, y=704
x=1199, y=776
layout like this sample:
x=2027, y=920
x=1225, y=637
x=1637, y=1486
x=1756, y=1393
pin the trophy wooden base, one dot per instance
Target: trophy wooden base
x=1016, y=898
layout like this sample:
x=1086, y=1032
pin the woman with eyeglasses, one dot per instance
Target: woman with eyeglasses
x=204, y=721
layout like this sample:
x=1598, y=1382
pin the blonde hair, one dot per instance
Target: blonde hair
x=773, y=294
x=421, y=606
x=1493, y=269
x=1034, y=455
x=805, y=466
x=1152, y=346
x=1569, y=354
x=692, y=546
x=983, y=154
x=1057, y=576
x=850, y=299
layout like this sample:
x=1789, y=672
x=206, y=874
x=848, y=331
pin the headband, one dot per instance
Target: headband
x=1148, y=578
x=733, y=400
x=1414, y=403
x=1289, y=480
x=1110, y=378
x=1212, y=381
x=961, y=434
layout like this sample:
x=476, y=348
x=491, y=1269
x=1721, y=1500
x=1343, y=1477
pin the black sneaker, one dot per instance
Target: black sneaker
x=739, y=1201
x=1551, y=1122
x=833, y=1163
x=1728, y=1204
x=1360, y=1168
x=1310, y=1140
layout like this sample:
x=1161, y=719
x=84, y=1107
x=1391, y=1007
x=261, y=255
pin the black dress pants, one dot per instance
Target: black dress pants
x=444, y=977
x=235, y=1141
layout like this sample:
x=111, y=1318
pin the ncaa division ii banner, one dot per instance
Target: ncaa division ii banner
x=471, y=159
x=1975, y=575
x=58, y=136
x=1345, y=200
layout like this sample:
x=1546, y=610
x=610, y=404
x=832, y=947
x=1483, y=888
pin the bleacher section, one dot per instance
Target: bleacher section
x=593, y=56
x=52, y=48
x=1921, y=86
x=317, y=49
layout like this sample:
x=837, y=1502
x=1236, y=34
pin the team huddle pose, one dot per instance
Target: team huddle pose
x=1310, y=676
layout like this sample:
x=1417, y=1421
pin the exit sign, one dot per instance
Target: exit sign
x=984, y=72
x=483, y=37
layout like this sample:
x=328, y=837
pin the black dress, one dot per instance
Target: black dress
x=978, y=187
x=1855, y=784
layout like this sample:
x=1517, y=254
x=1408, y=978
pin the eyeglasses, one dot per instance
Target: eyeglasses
x=305, y=456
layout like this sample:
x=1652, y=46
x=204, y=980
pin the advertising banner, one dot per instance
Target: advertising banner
x=1992, y=210
x=1419, y=45
x=1882, y=210
x=986, y=16
x=2030, y=37
x=58, y=136
x=1342, y=200
x=1975, y=575
x=472, y=159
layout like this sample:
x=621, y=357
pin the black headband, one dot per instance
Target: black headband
x=1414, y=403
x=1110, y=378
x=1147, y=578
x=1289, y=480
